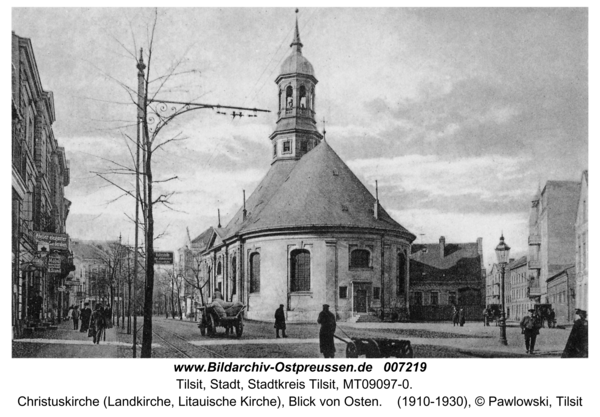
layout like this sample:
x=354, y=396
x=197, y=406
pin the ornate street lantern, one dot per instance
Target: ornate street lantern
x=503, y=254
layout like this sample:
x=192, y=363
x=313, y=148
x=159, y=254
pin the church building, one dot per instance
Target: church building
x=311, y=233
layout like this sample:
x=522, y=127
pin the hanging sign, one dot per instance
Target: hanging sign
x=54, y=263
x=163, y=258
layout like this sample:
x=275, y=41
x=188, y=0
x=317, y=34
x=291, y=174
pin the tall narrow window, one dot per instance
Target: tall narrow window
x=435, y=298
x=401, y=281
x=300, y=270
x=360, y=258
x=233, y=275
x=289, y=97
x=376, y=293
x=255, y=272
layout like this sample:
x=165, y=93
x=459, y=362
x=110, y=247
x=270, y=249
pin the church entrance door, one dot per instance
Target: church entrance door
x=360, y=302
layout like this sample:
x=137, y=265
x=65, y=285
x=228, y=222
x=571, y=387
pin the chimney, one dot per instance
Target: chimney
x=376, y=208
x=442, y=246
x=219, y=216
x=244, y=211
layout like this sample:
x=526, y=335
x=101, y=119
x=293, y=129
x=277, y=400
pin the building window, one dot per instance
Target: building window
x=435, y=298
x=344, y=292
x=418, y=298
x=300, y=270
x=255, y=272
x=304, y=146
x=452, y=297
x=287, y=146
x=219, y=268
x=401, y=278
x=360, y=258
x=302, y=97
x=233, y=275
x=289, y=97
x=376, y=293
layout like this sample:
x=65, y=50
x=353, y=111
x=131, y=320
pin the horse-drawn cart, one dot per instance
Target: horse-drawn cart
x=229, y=318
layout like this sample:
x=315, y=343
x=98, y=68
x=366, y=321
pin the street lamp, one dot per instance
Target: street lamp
x=503, y=253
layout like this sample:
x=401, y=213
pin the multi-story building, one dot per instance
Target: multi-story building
x=40, y=172
x=444, y=275
x=518, y=302
x=552, y=236
x=561, y=294
x=581, y=258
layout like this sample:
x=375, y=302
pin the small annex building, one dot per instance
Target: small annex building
x=311, y=233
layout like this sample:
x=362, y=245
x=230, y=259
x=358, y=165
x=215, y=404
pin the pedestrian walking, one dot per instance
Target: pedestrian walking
x=327, y=321
x=69, y=313
x=98, y=322
x=486, y=317
x=280, y=321
x=577, y=344
x=85, y=316
x=530, y=327
x=461, y=317
x=454, y=316
x=108, y=316
x=75, y=317
x=551, y=318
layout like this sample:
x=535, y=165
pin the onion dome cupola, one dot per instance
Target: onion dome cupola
x=296, y=130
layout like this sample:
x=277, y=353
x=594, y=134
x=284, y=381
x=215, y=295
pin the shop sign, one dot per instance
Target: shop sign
x=56, y=241
x=54, y=264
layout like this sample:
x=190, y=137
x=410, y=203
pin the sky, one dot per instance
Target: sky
x=459, y=114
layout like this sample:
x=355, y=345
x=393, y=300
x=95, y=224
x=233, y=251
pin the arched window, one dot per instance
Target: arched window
x=303, y=102
x=360, y=258
x=233, y=275
x=219, y=269
x=289, y=97
x=401, y=281
x=300, y=270
x=255, y=272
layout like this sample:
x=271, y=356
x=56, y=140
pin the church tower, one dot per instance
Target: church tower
x=296, y=130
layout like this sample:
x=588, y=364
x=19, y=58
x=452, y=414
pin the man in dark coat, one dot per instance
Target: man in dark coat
x=98, y=323
x=75, y=317
x=280, y=321
x=461, y=317
x=577, y=344
x=86, y=314
x=108, y=316
x=530, y=327
x=327, y=321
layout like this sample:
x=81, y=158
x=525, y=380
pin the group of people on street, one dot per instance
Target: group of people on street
x=328, y=324
x=458, y=316
x=94, y=323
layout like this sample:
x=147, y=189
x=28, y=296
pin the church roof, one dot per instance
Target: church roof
x=319, y=190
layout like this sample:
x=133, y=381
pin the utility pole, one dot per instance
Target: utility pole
x=162, y=112
x=140, y=115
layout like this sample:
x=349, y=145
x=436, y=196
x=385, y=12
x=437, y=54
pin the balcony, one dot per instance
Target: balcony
x=535, y=240
x=535, y=264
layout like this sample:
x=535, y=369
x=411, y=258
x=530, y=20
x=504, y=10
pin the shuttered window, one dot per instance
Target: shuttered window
x=255, y=272
x=300, y=270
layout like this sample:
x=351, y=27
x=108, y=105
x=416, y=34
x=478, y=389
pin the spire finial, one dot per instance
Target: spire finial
x=324, y=129
x=296, y=41
x=140, y=65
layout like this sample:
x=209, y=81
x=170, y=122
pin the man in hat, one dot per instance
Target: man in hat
x=530, y=327
x=327, y=321
x=280, y=321
x=577, y=344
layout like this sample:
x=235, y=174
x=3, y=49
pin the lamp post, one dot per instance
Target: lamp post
x=503, y=253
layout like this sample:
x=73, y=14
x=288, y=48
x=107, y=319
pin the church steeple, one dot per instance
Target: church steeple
x=296, y=130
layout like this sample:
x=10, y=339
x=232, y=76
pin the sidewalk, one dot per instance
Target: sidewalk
x=64, y=342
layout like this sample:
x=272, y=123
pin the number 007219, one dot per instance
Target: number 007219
x=405, y=367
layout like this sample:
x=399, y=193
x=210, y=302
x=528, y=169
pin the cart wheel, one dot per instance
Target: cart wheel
x=202, y=327
x=351, y=351
x=239, y=328
x=211, y=325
